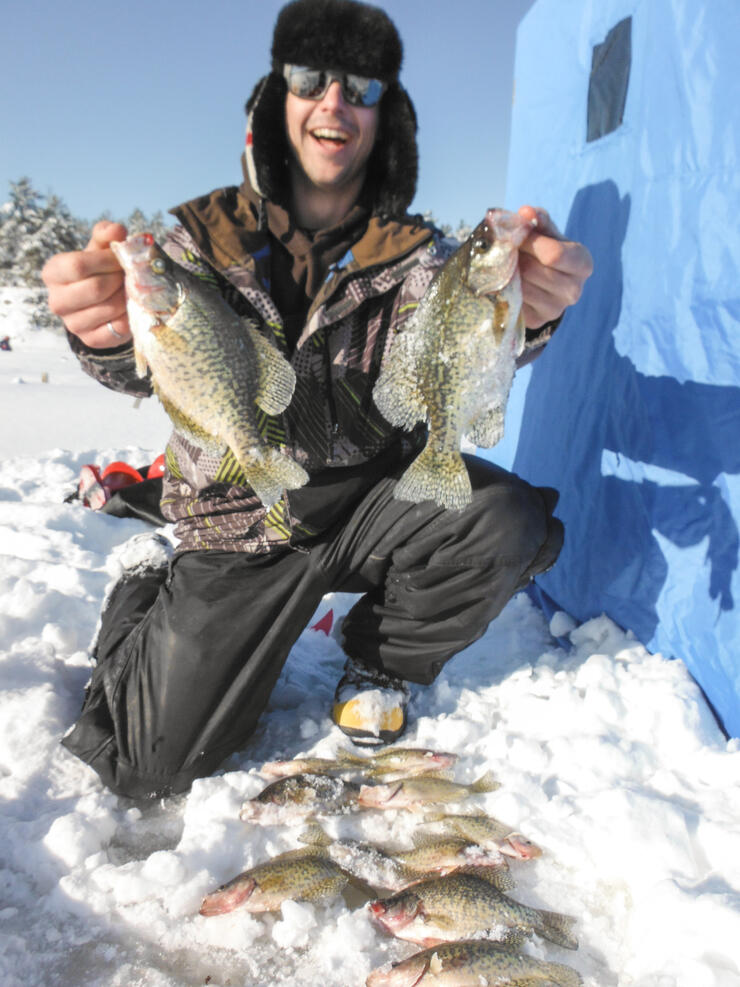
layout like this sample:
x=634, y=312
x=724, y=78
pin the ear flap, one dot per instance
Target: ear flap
x=394, y=164
x=266, y=148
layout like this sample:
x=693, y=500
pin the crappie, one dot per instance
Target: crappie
x=452, y=366
x=460, y=905
x=298, y=875
x=397, y=869
x=471, y=964
x=488, y=832
x=299, y=795
x=445, y=855
x=414, y=793
x=209, y=368
x=389, y=764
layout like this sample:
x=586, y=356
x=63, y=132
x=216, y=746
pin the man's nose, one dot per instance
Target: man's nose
x=334, y=97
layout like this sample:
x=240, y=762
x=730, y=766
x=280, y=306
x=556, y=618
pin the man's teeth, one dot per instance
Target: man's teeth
x=331, y=135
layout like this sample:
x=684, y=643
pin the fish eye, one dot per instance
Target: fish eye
x=158, y=265
x=480, y=245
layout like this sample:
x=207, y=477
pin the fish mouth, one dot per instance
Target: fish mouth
x=377, y=795
x=519, y=846
x=227, y=898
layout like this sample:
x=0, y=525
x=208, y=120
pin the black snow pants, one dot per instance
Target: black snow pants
x=187, y=657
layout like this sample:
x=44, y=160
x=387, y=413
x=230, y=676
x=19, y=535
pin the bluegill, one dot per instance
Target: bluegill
x=472, y=963
x=210, y=369
x=453, y=365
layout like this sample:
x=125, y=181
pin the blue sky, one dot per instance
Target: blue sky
x=114, y=106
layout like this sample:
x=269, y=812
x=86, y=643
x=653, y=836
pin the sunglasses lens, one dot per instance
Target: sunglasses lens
x=307, y=83
x=361, y=91
x=313, y=83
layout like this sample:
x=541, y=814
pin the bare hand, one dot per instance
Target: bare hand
x=553, y=270
x=86, y=289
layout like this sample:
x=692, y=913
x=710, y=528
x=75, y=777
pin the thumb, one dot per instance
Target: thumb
x=545, y=225
x=104, y=233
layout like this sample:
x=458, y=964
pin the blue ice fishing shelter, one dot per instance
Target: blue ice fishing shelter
x=626, y=127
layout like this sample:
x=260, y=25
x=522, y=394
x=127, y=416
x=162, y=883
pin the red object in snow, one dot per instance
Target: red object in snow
x=157, y=468
x=325, y=624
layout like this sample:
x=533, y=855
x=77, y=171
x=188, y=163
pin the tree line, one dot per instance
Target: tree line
x=33, y=227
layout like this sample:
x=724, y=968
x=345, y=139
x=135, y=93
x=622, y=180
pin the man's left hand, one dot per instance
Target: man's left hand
x=553, y=270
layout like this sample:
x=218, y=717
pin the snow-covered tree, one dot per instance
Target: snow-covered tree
x=139, y=223
x=34, y=226
x=462, y=232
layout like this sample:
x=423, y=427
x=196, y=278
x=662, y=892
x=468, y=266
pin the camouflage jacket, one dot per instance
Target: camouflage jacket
x=331, y=427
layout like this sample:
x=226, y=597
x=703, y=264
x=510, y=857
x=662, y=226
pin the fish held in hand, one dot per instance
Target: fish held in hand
x=453, y=365
x=210, y=369
x=472, y=963
x=461, y=905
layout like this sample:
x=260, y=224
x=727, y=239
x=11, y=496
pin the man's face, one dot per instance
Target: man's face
x=330, y=139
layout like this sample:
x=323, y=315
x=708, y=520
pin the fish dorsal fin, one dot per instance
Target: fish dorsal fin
x=488, y=428
x=315, y=835
x=276, y=376
x=397, y=394
x=486, y=783
x=435, y=964
x=422, y=841
x=141, y=362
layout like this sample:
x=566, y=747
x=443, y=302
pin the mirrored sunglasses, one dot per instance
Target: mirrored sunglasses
x=313, y=83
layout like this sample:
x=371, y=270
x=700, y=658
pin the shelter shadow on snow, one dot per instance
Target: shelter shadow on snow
x=638, y=459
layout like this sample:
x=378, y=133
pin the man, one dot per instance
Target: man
x=316, y=245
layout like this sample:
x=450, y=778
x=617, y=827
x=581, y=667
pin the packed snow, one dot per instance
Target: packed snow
x=607, y=756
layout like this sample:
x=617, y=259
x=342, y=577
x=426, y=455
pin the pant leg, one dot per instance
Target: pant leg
x=186, y=665
x=435, y=579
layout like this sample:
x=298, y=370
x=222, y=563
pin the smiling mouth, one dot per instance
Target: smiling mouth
x=328, y=136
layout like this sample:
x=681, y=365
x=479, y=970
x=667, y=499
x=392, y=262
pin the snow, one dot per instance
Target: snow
x=608, y=757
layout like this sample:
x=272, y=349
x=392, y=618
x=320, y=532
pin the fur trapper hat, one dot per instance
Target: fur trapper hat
x=351, y=37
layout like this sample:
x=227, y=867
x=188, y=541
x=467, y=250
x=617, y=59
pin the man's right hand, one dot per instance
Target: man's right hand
x=86, y=289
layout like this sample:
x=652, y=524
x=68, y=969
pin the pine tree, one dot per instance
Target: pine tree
x=32, y=228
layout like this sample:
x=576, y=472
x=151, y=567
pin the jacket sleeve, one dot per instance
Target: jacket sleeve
x=114, y=368
x=535, y=341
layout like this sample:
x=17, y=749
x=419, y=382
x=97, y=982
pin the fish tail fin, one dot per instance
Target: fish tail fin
x=270, y=473
x=557, y=928
x=563, y=976
x=486, y=783
x=436, y=475
x=315, y=835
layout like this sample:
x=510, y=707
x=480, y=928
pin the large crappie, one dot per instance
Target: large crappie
x=462, y=905
x=472, y=963
x=210, y=369
x=298, y=875
x=452, y=366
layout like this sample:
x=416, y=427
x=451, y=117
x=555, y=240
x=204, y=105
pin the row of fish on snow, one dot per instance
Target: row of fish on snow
x=447, y=893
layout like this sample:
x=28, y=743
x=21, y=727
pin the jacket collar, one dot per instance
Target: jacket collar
x=225, y=227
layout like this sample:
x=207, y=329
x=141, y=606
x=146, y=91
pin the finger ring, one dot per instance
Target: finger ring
x=112, y=331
